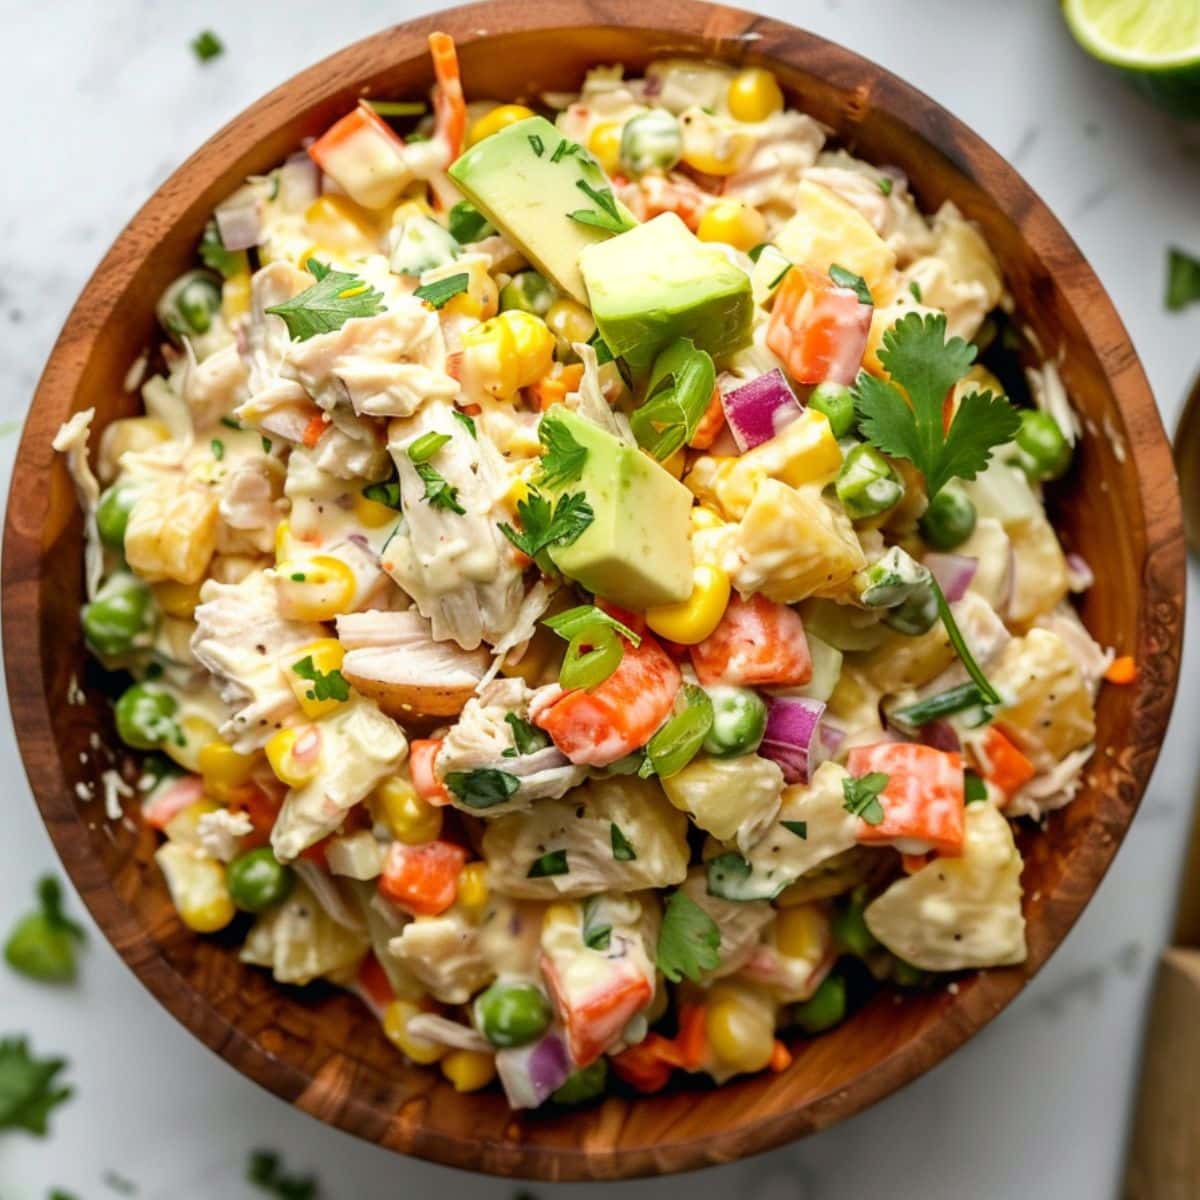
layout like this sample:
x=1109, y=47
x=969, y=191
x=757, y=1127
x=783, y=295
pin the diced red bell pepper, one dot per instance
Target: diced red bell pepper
x=923, y=800
x=1003, y=764
x=595, y=1018
x=614, y=718
x=757, y=644
x=171, y=799
x=422, y=880
x=711, y=423
x=422, y=756
x=646, y=1067
x=818, y=329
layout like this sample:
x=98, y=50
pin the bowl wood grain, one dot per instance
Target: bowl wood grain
x=323, y=1052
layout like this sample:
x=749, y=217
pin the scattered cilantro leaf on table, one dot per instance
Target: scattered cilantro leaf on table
x=1183, y=279
x=206, y=46
x=28, y=1087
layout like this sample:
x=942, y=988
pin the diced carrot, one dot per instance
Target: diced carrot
x=422, y=755
x=711, y=423
x=1122, y=670
x=449, y=105
x=781, y=1057
x=819, y=329
x=923, y=799
x=607, y=722
x=552, y=388
x=315, y=430
x=645, y=1066
x=1004, y=765
x=374, y=983
x=171, y=799
x=422, y=879
x=757, y=643
x=594, y=1018
x=364, y=156
x=630, y=619
x=691, y=1042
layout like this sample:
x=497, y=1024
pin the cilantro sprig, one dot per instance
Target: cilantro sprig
x=326, y=685
x=689, y=941
x=861, y=796
x=28, y=1087
x=564, y=458
x=544, y=524
x=328, y=304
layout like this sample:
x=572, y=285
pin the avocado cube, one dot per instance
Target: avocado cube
x=659, y=282
x=637, y=552
x=526, y=180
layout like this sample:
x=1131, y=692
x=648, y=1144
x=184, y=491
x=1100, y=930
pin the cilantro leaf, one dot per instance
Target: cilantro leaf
x=689, y=941
x=213, y=253
x=328, y=304
x=597, y=937
x=206, y=46
x=527, y=738
x=622, y=848
x=677, y=397
x=568, y=623
x=862, y=796
x=467, y=223
x=465, y=421
x=856, y=283
x=482, y=788
x=326, y=685
x=437, y=293
x=1183, y=279
x=564, y=458
x=384, y=493
x=799, y=828
x=552, y=863
x=920, y=360
x=42, y=944
x=439, y=492
x=28, y=1090
x=543, y=525
x=265, y=1171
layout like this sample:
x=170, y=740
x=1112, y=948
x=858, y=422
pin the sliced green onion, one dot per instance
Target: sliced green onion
x=974, y=789
x=426, y=446
x=956, y=699
x=987, y=693
x=680, y=739
x=593, y=654
x=567, y=624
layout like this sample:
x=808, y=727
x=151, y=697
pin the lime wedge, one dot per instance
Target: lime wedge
x=1154, y=43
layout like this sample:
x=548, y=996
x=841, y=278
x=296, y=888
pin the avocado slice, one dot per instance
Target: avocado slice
x=526, y=180
x=659, y=282
x=637, y=551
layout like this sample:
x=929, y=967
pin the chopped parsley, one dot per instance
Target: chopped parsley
x=466, y=223
x=28, y=1087
x=426, y=446
x=544, y=525
x=326, y=685
x=861, y=796
x=328, y=304
x=689, y=941
x=437, y=293
x=206, y=46
x=856, y=283
x=572, y=621
x=605, y=215
x=1183, y=279
x=482, y=788
x=563, y=460
x=218, y=449
x=539, y=147
x=885, y=184
x=622, y=848
x=799, y=828
x=266, y=444
x=552, y=863
x=465, y=421
x=527, y=738
x=915, y=288
x=439, y=492
x=230, y=423
x=974, y=789
x=595, y=936
x=384, y=493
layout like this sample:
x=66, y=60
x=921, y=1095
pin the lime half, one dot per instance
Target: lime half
x=1154, y=43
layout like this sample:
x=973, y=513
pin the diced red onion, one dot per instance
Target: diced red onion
x=758, y=410
x=1080, y=575
x=791, y=738
x=953, y=572
x=299, y=182
x=531, y=1074
x=238, y=220
x=831, y=739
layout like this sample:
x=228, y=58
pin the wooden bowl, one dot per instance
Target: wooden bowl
x=325, y=1053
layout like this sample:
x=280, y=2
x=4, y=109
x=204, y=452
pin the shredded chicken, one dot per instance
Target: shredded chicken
x=250, y=507
x=443, y=955
x=213, y=387
x=787, y=146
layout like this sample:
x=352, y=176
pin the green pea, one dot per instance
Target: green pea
x=651, y=141
x=257, y=880
x=914, y=616
x=112, y=514
x=144, y=717
x=512, y=1014
x=189, y=304
x=121, y=611
x=738, y=723
x=529, y=292
x=583, y=1085
x=949, y=520
x=850, y=932
x=1045, y=451
x=836, y=402
x=825, y=1008
x=866, y=484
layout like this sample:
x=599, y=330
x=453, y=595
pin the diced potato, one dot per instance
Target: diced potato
x=357, y=856
x=172, y=533
x=1052, y=712
x=728, y=797
x=827, y=230
x=1039, y=571
x=792, y=544
x=958, y=913
x=989, y=546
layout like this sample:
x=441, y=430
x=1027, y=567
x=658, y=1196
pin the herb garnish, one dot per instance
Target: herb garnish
x=439, y=492
x=856, y=283
x=1183, y=279
x=206, y=46
x=426, y=446
x=678, y=394
x=544, y=525
x=218, y=449
x=689, y=941
x=885, y=184
x=622, y=848
x=862, y=796
x=482, y=788
x=552, y=863
x=799, y=828
x=465, y=420
x=563, y=460
x=27, y=1087
x=567, y=624
x=539, y=147
x=42, y=944
x=440, y=291
x=527, y=738
x=466, y=223
x=326, y=685
x=334, y=299
x=384, y=493
x=606, y=215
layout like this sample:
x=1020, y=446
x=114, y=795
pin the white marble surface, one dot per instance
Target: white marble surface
x=103, y=101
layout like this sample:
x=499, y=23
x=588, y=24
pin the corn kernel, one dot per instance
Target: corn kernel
x=709, y=145
x=463, y=305
x=499, y=118
x=193, y=733
x=327, y=655
x=733, y=222
x=197, y=887
x=395, y=1026
x=235, y=296
x=690, y=621
x=469, y=1070
x=340, y=226
x=754, y=95
x=738, y=1034
x=176, y=599
x=570, y=322
x=172, y=534
x=222, y=767
x=604, y=142
x=518, y=492
x=562, y=915
x=473, y=887
x=507, y=353
x=411, y=819
x=295, y=755
x=802, y=932
x=314, y=589
x=286, y=546
x=704, y=518
x=183, y=825
x=371, y=513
